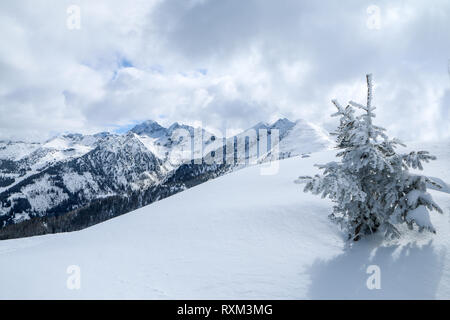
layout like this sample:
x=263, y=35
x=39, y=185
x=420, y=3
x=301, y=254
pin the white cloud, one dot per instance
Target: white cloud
x=226, y=64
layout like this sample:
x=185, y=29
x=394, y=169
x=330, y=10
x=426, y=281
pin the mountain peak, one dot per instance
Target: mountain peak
x=150, y=128
x=260, y=125
x=177, y=125
x=283, y=122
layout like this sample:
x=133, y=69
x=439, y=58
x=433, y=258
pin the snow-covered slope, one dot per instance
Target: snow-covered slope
x=439, y=168
x=256, y=142
x=15, y=150
x=303, y=138
x=61, y=148
x=243, y=235
x=20, y=160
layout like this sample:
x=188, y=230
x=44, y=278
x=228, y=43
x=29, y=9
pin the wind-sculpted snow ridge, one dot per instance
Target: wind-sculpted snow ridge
x=99, y=174
x=241, y=236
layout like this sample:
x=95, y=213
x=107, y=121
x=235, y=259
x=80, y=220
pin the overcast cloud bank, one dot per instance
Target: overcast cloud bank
x=223, y=64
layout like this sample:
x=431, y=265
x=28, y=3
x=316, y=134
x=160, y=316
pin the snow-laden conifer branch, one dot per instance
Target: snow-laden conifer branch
x=371, y=186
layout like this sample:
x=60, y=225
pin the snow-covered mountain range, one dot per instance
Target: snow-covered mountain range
x=100, y=176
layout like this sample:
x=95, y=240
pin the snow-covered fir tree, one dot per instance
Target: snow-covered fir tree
x=371, y=185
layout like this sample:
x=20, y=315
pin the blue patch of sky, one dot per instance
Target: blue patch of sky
x=122, y=62
x=125, y=63
x=203, y=71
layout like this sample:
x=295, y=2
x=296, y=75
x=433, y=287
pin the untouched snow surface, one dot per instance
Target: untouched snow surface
x=240, y=236
x=303, y=138
x=10, y=150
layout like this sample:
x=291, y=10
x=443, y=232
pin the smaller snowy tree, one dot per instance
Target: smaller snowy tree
x=371, y=185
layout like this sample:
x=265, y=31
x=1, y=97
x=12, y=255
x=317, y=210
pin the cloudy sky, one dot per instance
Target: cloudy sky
x=221, y=63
